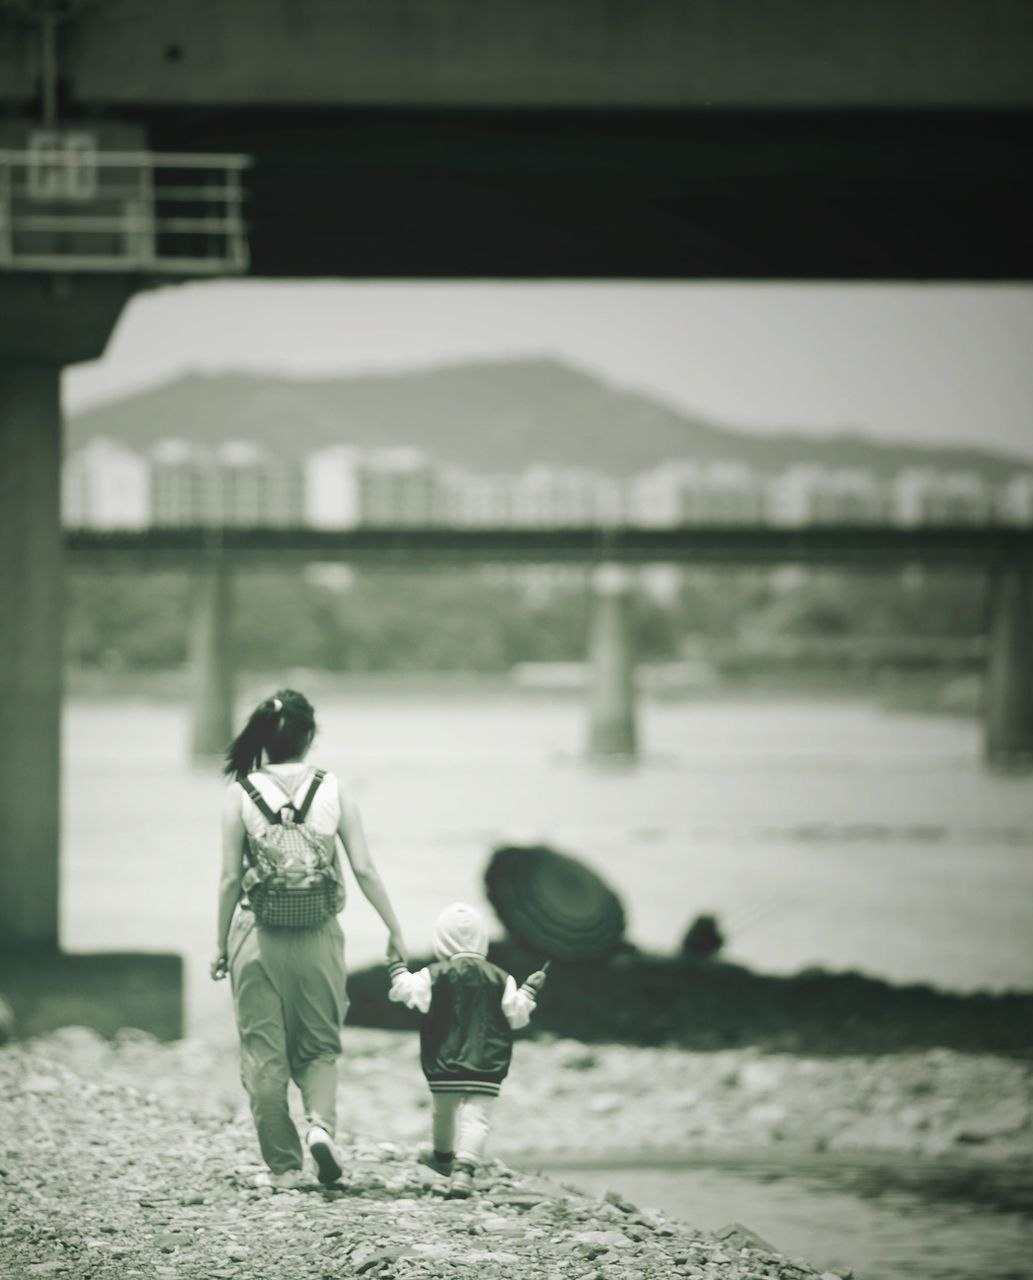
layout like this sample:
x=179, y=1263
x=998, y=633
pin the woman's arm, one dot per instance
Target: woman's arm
x=230, y=876
x=353, y=837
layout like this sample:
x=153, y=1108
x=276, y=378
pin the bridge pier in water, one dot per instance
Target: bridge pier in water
x=47, y=322
x=1008, y=691
x=211, y=661
x=611, y=699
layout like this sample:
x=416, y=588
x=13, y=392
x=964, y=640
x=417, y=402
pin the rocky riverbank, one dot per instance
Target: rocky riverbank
x=133, y=1160
x=563, y=1096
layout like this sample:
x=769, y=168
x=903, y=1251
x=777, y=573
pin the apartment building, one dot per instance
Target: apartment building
x=104, y=485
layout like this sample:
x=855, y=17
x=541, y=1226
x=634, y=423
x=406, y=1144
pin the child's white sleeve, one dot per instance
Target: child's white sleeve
x=410, y=989
x=518, y=1003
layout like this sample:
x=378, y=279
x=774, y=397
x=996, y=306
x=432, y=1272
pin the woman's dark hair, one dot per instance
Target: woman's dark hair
x=282, y=727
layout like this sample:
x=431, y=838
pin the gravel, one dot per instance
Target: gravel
x=136, y=1159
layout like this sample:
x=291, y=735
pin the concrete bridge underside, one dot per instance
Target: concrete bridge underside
x=804, y=139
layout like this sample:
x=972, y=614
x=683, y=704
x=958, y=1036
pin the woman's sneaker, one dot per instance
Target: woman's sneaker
x=289, y=1180
x=439, y=1162
x=460, y=1184
x=324, y=1154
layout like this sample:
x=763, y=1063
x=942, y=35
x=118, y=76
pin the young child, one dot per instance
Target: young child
x=470, y=1010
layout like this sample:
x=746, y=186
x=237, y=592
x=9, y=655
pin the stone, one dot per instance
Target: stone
x=759, y=1076
x=737, y=1236
x=605, y=1104
x=377, y=1258
x=1004, y=1117
x=39, y=1083
x=767, y=1114
x=604, y=1239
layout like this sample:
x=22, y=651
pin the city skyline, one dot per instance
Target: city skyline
x=106, y=483
x=928, y=364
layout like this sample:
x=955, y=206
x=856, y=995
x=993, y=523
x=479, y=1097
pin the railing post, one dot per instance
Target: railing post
x=147, y=238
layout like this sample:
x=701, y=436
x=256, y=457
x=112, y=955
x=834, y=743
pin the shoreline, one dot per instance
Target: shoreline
x=933, y=692
x=786, y=1159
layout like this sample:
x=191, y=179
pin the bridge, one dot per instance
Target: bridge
x=795, y=139
x=214, y=555
x=434, y=138
x=860, y=546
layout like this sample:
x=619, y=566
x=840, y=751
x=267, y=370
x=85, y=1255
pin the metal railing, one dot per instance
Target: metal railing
x=71, y=209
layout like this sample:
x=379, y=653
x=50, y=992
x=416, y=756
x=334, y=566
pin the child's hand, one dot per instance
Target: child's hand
x=536, y=981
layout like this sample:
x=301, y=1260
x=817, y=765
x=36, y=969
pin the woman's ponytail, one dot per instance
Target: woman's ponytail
x=281, y=727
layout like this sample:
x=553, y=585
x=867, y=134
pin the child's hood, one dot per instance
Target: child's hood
x=459, y=928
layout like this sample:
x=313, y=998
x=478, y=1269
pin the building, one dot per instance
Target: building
x=470, y=499
x=856, y=496
x=332, y=489
x=104, y=485
x=966, y=498
x=254, y=488
x=183, y=484
x=552, y=497
x=1015, y=499
x=665, y=495
x=397, y=486
x=793, y=497
x=921, y=495
x=728, y=493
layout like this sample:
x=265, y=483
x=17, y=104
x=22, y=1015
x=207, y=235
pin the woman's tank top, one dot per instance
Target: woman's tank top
x=324, y=812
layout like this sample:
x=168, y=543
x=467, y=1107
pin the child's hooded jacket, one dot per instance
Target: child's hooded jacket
x=470, y=1007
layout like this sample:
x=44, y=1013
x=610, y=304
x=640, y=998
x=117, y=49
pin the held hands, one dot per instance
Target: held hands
x=220, y=966
x=396, y=949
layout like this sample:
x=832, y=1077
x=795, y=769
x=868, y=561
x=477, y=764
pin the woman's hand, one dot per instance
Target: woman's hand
x=396, y=949
x=220, y=966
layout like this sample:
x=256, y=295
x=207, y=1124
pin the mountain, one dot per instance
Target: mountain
x=498, y=416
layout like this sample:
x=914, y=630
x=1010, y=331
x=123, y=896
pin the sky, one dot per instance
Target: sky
x=935, y=364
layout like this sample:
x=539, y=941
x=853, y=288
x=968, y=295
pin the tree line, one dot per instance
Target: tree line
x=487, y=621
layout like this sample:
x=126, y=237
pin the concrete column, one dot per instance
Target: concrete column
x=612, y=667
x=1008, y=698
x=30, y=653
x=211, y=661
x=45, y=322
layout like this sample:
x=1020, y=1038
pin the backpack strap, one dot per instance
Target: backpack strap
x=255, y=796
x=301, y=813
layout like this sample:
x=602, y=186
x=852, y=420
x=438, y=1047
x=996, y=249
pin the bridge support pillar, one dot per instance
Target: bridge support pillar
x=211, y=661
x=30, y=651
x=45, y=322
x=612, y=729
x=1008, y=698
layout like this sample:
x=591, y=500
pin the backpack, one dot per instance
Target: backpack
x=292, y=880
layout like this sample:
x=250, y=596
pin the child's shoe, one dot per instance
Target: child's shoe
x=324, y=1154
x=438, y=1161
x=460, y=1184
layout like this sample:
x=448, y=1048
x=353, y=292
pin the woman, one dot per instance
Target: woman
x=289, y=990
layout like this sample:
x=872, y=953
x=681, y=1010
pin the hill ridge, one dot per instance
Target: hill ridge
x=488, y=415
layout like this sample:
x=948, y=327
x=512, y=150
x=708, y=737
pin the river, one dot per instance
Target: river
x=821, y=832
